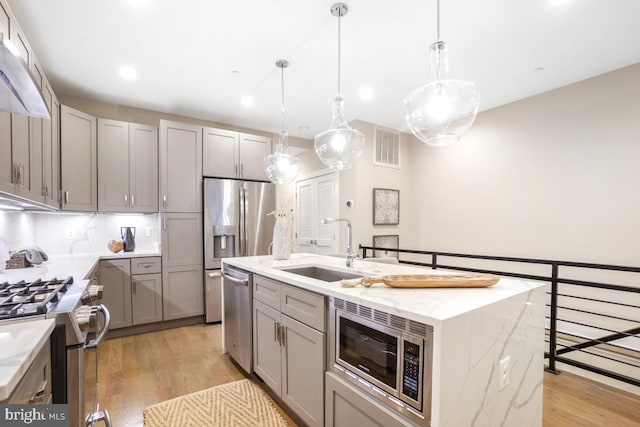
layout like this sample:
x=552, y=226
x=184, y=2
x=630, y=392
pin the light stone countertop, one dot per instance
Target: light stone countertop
x=79, y=266
x=20, y=342
x=431, y=306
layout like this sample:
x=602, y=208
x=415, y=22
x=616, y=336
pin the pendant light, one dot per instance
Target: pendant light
x=443, y=109
x=340, y=146
x=281, y=167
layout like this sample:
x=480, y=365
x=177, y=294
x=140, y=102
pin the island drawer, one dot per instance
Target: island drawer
x=267, y=291
x=146, y=265
x=305, y=306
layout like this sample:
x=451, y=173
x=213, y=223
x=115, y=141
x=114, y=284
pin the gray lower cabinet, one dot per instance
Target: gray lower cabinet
x=288, y=354
x=132, y=299
x=348, y=407
x=115, y=277
x=146, y=298
x=182, y=292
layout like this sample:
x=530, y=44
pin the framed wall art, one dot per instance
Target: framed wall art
x=386, y=206
x=384, y=242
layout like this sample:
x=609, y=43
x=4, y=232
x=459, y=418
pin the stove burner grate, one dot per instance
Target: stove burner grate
x=31, y=298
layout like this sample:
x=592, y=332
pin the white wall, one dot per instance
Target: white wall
x=357, y=184
x=553, y=176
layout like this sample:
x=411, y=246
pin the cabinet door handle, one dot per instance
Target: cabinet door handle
x=126, y=200
x=38, y=396
x=276, y=332
x=21, y=174
x=282, y=335
x=66, y=197
x=242, y=170
x=164, y=223
x=164, y=200
x=133, y=282
x=146, y=265
x=132, y=201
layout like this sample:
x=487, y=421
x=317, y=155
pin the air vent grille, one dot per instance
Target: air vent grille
x=385, y=319
x=386, y=144
x=352, y=307
x=417, y=328
x=365, y=312
x=380, y=317
x=398, y=322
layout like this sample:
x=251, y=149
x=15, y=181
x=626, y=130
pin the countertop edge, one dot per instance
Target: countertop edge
x=47, y=326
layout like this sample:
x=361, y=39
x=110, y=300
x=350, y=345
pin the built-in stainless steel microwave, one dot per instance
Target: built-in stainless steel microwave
x=388, y=356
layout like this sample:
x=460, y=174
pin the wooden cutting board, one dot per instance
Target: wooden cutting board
x=467, y=280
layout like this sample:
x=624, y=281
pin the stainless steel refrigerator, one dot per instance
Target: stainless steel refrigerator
x=235, y=224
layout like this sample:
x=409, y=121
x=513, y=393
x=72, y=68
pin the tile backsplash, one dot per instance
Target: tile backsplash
x=66, y=233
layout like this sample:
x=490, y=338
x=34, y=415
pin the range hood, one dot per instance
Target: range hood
x=18, y=91
x=11, y=202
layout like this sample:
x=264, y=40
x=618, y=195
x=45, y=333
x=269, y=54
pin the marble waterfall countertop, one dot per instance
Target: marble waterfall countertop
x=430, y=306
x=20, y=342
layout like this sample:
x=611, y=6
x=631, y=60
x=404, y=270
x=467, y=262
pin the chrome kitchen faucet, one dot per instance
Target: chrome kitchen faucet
x=350, y=255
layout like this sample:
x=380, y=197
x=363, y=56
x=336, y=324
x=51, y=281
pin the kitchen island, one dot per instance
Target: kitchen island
x=487, y=343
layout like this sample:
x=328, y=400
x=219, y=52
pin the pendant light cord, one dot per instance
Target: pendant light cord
x=282, y=86
x=339, y=19
x=438, y=20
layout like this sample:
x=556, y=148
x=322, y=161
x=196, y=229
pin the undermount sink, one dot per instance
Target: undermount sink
x=324, y=274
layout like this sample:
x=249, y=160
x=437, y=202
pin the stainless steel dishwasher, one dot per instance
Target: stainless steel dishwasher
x=237, y=322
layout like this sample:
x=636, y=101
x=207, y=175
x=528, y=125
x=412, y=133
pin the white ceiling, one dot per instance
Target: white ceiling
x=185, y=51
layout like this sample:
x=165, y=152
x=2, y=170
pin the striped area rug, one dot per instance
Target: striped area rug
x=239, y=403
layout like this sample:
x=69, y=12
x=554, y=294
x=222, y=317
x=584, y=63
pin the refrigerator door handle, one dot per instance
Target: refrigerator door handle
x=241, y=221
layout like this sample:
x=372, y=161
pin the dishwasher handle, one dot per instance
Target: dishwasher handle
x=243, y=282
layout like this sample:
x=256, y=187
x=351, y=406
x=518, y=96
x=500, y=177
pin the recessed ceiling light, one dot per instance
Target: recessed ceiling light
x=538, y=69
x=303, y=127
x=247, y=101
x=235, y=72
x=138, y=3
x=128, y=73
x=559, y=3
x=366, y=93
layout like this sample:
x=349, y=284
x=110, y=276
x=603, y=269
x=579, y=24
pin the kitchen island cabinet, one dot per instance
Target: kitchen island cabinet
x=473, y=333
x=78, y=160
x=289, y=345
x=228, y=154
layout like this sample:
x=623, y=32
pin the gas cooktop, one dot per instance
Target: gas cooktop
x=38, y=297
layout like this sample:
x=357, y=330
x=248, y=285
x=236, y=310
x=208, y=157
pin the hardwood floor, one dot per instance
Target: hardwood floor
x=141, y=370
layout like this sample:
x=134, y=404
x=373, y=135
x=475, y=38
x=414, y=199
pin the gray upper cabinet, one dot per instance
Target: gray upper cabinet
x=78, y=160
x=28, y=146
x=127, y=167
x=180, y=167
x=143, y=161
x=227, y=154
x=7, y=170
x=50, y=148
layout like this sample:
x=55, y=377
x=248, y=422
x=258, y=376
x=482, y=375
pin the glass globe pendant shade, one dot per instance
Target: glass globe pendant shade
x=281, y=167
x=439, y=112
x=340, y=146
